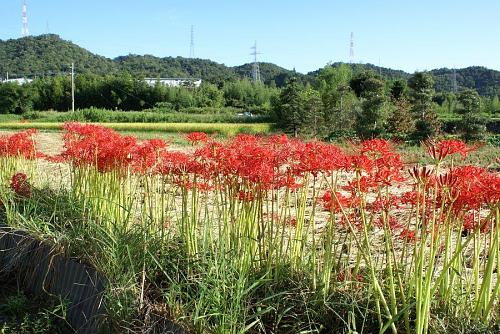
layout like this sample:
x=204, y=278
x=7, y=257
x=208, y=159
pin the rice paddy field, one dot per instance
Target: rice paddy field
x=221, y=128
x=264, y=233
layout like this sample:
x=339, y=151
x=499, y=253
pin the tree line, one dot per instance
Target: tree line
x=124, y=92
x=341, y=103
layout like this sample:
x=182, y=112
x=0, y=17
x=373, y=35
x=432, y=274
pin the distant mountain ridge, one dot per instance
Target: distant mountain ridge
x=50, y=54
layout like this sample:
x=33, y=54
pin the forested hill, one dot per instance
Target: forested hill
x=484, y=80
x=151, y=66
x=49, y=54
x=387, y=73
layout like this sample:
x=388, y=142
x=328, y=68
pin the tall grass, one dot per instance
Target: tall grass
x=273, y=235
x=222, y=128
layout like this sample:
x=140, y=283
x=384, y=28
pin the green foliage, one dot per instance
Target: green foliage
x=484, y=80
x=15, y=99
x=338, y=100
x=290, y=114
x=473, y=124
x=23, y=315
x=314, y=117
x=398, y=89
x=370, y=120
x=49, y=54
x=400, y=123
x=124, y=92
x=421, y=86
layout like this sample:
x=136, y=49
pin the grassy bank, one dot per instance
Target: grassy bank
x=221, y=128
x=268, y=235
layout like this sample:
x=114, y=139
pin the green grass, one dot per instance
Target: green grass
x=483, y=156
x=23, y=314
x=9, y=118
x=152, y=116
x=220, y=128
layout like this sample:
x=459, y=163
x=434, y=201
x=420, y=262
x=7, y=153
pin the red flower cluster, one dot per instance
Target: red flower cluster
x=440, y=150
x=20, y=185
x=197, y=137
x=20, y=144
x=94, y=145
x=250, y=165
x=338, y=202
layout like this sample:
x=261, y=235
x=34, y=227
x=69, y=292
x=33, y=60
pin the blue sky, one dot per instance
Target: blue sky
x=401, y=34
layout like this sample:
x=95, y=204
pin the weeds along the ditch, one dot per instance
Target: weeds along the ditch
x=270, y=234
x=21, y=313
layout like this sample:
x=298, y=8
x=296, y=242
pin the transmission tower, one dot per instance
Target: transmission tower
x=255, y=65
x=455, y=86
x=351, y=49
x=25, y=31
x=191, y=45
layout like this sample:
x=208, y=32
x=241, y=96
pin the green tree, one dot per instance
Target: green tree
x=338, y=99
x=289, y=113
x=450, y=102
x=400, y=122
x=398, y=89
x=370, y=120
x=313, y=118
x=15, y=98
x=421, y=86
x=473, y=124
x=208, y=95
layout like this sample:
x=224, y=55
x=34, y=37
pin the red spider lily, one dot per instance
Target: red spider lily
x=177, y=163
x=384, y=204
x=94, y=145
x=347, y=275
x=447, y=180
x=146, y=156
x=20, y=144
x=388, y=169
x=414, y=197
x=318, y=157
x=393, y=223
x=407, y=235
x=475, y=187
x=338, y=202
x=291, y=221
x=197, y=137
x=362, y=163
x=440, y=150
x=361, y=186
x=376, y=147
x=470, y=222
x=20, y=185
x=420, y=174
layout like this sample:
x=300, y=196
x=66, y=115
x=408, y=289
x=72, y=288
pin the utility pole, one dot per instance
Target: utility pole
x=73, y=87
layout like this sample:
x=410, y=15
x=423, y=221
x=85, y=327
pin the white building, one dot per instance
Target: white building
x=174, y=82
x=19, y=81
